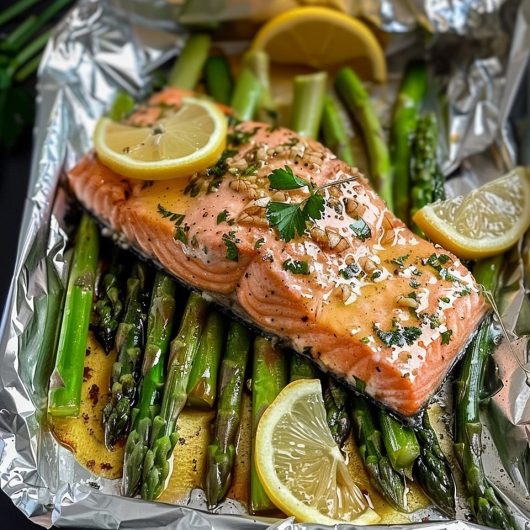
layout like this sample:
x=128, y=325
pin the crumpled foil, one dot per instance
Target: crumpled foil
x=478, y=50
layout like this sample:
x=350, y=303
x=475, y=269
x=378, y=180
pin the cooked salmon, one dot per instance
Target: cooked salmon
x=368, y=300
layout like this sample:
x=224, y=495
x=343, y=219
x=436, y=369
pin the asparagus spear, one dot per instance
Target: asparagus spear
x=247, y=94
x=187, y=70
x=400, y=442
x=334, y=130
x=222, y=450
x=159, y=327
x=432, y=471
x=109, y=306
x=218, y=77
x=65, y=385
x=389, y=482
x=485, y=505
x=163, y=438
x=258, y=63
x=269, y=376
x=351, y=90
x=337, y=413
x=300, y=368
x=15, y=9
x=308, y=103
x=426, y=176
x=202, y=386
x=129, y=343
x=411, y=92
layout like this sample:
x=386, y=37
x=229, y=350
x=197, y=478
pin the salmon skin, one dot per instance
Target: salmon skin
x=369, y=301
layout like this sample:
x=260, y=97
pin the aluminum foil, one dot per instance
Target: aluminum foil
x=478, y=50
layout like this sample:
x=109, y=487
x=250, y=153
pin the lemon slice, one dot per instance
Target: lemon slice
x=486, y=222
x=322, y=38
x=182, y=142
x=299, y=464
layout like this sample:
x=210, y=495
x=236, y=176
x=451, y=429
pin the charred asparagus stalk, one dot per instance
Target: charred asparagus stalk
x=130, y=338
x=222, y=450
x=334, y=130
x=159, y=328
x=337, y=413
x=432, y=471
x=218, y=77
x=202, y=386
x=389, y=482
x=300, y=368
x=64, y=396
x=410, y=96
x=351, y=90
x=485, y=505
x=109, y=306
x=183, y=350
x=269, y=376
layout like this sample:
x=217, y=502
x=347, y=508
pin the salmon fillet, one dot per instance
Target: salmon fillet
x=368, y=300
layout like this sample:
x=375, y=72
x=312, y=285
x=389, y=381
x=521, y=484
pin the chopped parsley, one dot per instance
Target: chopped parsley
x=230, y=241
x=445, y=299
x=176, y=218
x=350, y=271
x=446, y=336
x=252, y=169
x=361, y=229
x=259, y=243
x=284, y=179
x=365, y=340
x=296, y=266
x=376, y=274
x=400, y=261
x=222, y=216
x=414, y=284
x=437, y=262
x=181, y=233
x=398, y=335
x=465, y=291
x=238, y=137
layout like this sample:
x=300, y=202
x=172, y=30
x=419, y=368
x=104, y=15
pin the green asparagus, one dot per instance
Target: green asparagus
x=400, y=442
x=408, y=102
x=109, y=306
x=351, y=90
x=64, y=396
x=129, y=344
x=334, y=130
x=202, y=386
x=385, y=479
x=269, y=376
x=300, y=368
x=159, y=328
x=484, y=503
x=247, y=94
x=187, y=70
x=308, y=103
x=431, y=470
x=222, y=450
x=163, y=438
x=426, y=176
x=337, y=413
x=218, y=77
x=258, y=62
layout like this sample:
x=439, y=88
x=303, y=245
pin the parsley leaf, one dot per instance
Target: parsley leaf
x=398, y=335
x=361, y=229
x=296, y=266
x=400, y=261
x=314, y=207
x=446, y=336
x=285, y=179
x=222, y=216
x=181, y=233
x=232, y=252
x=288, y=219
x=259, y=243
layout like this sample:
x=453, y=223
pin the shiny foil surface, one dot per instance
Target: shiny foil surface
x=478, y=51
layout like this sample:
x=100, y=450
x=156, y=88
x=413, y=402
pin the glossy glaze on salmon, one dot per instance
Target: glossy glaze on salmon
x=367, y=299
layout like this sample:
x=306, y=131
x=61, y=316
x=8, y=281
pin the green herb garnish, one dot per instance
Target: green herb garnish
x=446, y=336
x=361, y=229
x=222, y=216
x=176, y=218
x=259, y=243
x=296, y=266
x=400, y=262
x=398, y=335
x=230, y=241
x=284, y=179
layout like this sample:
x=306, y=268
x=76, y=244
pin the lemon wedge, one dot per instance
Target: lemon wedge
x=182, y=142
x=322, y=38
x=486, y=222
x=299, y=464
